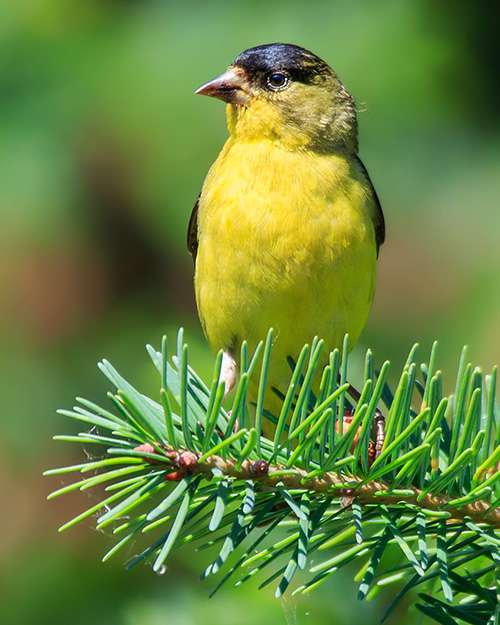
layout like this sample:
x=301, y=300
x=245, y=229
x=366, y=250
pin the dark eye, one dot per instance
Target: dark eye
x=277, y=81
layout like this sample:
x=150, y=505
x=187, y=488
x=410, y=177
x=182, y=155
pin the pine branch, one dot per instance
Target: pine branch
x=432, y=492
x=183, y=463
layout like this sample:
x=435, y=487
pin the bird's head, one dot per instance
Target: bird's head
x=285, y=93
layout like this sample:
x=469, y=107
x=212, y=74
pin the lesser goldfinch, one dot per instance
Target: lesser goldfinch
x=286, y=230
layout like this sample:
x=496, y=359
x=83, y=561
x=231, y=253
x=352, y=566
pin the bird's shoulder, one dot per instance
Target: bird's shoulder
x=192, y=233
x=377, y=214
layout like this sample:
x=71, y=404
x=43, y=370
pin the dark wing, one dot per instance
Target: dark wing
x=192, y=233
x=378, y=217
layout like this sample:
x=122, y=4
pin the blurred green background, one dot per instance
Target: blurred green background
x=104, y=148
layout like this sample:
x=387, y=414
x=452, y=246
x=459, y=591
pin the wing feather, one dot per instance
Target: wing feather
x=378, y=215
x=192, y=233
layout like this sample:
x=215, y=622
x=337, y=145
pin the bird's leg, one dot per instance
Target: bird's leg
x=379, y=432
x=228, y=372
x=379, y=421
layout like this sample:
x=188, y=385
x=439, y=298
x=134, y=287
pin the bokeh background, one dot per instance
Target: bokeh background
x=104, y=148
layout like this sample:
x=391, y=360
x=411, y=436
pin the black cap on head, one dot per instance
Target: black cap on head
x=301, y=64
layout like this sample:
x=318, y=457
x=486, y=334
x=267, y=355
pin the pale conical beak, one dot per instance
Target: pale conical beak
x=230, y=87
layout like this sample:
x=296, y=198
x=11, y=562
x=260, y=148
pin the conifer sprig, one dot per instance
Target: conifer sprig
x=179, y=468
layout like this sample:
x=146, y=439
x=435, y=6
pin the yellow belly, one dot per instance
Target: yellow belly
x=285, y=241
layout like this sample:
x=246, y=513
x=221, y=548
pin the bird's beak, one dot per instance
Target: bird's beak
x=231, y=87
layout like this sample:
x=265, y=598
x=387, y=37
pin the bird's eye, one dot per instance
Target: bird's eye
x=277, y=81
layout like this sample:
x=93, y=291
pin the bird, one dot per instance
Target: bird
x=287, y=228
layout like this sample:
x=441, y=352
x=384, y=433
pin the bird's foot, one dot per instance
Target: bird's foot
x=379, y=421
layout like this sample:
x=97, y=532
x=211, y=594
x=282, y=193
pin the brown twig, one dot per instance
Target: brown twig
x=184, y=462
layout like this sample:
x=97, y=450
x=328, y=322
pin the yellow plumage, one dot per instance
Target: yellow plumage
x=285, y=238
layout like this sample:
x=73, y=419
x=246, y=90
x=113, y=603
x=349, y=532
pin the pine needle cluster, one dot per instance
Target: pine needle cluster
x=184, y=469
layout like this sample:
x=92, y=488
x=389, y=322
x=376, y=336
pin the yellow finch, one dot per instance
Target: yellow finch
x=287, y=227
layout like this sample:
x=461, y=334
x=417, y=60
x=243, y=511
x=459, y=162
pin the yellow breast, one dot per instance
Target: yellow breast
x=285, y=241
